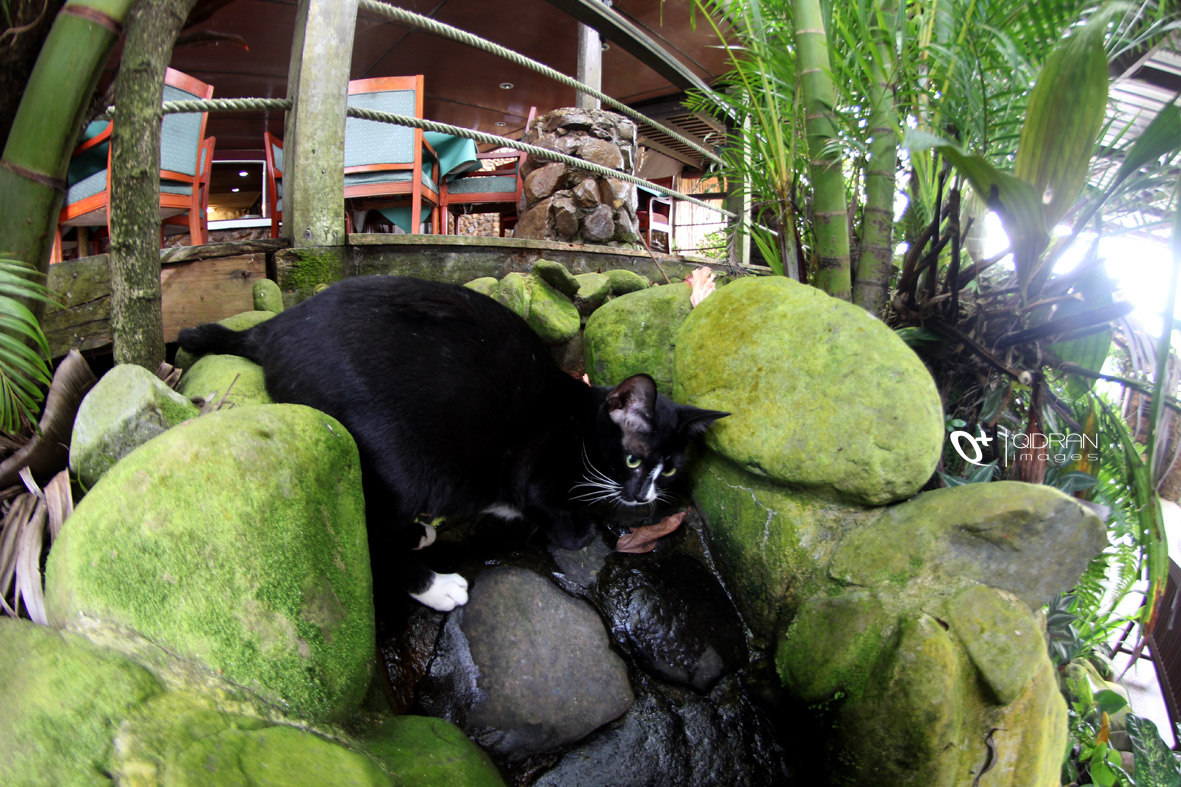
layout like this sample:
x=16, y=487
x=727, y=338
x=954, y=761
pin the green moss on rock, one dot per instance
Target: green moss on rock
x=1001, y=638
x=267, y=296
x=821, y=393
x=125, y=409
x=239, y=381
x=636, y=333
x=832, y=646
x=236, y=540
x=772, y=543
x=557, y=276
x=593, y=289
x=306, y=268
x=515, y=293
x=62, y=701
x=421, y=750
x=552, y=315
x=623, y=281
x=485, y=285
x=997, y=534
x=180, y=740
x=914, y=724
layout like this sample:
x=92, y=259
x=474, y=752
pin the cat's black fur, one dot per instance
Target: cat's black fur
x=457, y=409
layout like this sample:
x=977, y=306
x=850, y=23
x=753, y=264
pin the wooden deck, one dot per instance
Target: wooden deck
x=207, y=283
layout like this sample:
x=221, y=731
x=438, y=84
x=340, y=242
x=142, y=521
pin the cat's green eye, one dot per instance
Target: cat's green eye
x=632, y=461
x=670, y=472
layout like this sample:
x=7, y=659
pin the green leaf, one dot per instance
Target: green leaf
x=1076, y=481
x=1063, y=120
x=1109, y=702
x=1161, y=137
x=1155, y=764
x=1090, y=352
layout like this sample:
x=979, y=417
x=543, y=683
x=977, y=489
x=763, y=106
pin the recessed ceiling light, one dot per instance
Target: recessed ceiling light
x=506, y=85
x=235, y=190
x=501, y=123
x=243, y=174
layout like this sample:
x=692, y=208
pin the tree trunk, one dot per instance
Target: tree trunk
x=45, y=129
x=137, y=325
x=829, y=215
x=876, y=261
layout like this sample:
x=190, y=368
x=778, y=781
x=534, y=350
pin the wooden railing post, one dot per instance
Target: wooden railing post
x=321, y=54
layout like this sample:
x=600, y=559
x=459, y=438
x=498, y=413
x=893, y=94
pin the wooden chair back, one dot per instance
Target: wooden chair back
x=273, y=147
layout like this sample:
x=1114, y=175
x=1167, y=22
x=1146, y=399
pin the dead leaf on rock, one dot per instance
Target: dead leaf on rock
x=643, y=539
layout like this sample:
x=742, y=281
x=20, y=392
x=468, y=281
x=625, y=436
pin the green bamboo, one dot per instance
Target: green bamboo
x=828, y=184
x=876, y=260
x=46, y=127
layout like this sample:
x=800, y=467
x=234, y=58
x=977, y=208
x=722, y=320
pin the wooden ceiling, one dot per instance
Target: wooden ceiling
x=243, y=50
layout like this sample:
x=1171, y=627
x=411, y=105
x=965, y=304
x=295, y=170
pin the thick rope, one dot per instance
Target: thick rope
x=462, y=36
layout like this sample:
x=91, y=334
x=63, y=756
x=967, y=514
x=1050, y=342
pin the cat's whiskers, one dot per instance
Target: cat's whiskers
x=600, y=486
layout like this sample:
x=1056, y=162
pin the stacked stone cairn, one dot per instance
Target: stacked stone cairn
x=575, y=205
x=815, y=620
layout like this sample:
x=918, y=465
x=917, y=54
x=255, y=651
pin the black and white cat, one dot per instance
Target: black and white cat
x=458, y=409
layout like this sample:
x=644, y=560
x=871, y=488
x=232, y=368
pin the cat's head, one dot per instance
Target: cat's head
x=640, y=440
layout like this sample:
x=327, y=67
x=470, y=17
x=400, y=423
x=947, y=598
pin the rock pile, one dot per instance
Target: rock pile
x=575, y=205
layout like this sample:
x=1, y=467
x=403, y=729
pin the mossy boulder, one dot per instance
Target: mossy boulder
x=485, y=285
x=556, y=275
x=267, y=296
x=179, y=739
x=772, y=543
x=552, y=315
x=62, y=702
x=822, y=395
x=230, y=377
x=624, y=281
x=833, y=645
x=236, y=322
x=237, y=541
x=593, y=291
x=636, y=333
x=125, y=409
x=1001, y=638
x=1028, y=539
x=422, y=750
x=514, y=292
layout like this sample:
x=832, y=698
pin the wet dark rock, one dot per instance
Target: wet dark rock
x=599, y=224
x=672, y=615
x=406, y=654
x=524, y=668
x=676, y=736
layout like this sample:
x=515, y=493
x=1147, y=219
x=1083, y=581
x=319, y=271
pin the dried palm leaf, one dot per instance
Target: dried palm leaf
x=28, y=564
x=48, y=451
x=59, y=499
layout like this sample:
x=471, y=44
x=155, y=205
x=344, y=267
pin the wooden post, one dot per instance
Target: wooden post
x=590, y=66
x=313, y=194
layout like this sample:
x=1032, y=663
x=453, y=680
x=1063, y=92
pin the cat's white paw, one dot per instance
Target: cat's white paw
x=447, y=591
x=428, y=537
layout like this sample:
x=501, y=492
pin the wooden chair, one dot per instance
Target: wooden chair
x=181, y=136
x=274, y=154
x=386, y=165
x=205, y=172
x=655, y=214
x=499, y=189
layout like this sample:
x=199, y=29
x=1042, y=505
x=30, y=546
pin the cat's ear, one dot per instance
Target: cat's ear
x=632, y=403
x=693, y=421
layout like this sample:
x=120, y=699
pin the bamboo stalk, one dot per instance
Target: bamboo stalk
x=47, y=123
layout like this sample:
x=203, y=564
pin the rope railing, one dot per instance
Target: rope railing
x=462, y=36
x=247, y=104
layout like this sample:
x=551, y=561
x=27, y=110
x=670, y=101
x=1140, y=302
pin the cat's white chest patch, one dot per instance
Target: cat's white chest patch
x=504, y=511
x=447, y=591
